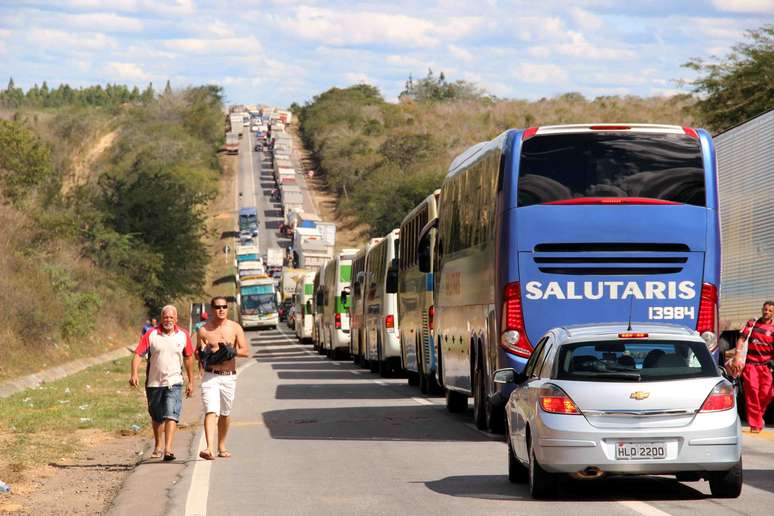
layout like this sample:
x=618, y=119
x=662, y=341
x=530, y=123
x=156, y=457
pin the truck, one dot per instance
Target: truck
x=745, y=157
x=309, y=248
x=257, y=302
x=275, y=259
x=290, y=276
x=248, y=218
x=328, y=232
x=231, y=145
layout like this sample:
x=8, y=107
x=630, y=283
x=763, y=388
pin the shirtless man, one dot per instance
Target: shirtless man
x=219, y=380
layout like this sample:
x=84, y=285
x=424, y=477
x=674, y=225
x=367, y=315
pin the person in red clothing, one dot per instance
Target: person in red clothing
x=170, y=349
x=754, y=365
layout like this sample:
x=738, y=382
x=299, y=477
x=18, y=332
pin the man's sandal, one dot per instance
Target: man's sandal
x=206, y=455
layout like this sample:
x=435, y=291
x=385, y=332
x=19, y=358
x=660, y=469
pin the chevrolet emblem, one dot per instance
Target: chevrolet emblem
x=639, y=395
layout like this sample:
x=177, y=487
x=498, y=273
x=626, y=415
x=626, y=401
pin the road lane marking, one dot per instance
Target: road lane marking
x=643, y=508
x=422, y=401
x=199, y=490
x=355, y=371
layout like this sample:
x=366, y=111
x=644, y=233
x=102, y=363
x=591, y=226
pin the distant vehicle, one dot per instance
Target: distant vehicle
x=247, y=218
x=357, y=303
x=257, y=302
x=381, y=310
x=642, y=400
x=245, y=234
x=284, y=308
x=302, y=300
x=257, y=147
x=335, y=322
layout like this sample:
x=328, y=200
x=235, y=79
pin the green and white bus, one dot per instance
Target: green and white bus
x=381, y=313
x=302, y=298
x=335, y=320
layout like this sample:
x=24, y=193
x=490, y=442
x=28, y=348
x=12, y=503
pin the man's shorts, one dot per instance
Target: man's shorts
x=218, y=393
x=164, y=402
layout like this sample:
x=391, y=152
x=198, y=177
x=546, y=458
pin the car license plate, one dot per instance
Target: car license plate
x=625, y=450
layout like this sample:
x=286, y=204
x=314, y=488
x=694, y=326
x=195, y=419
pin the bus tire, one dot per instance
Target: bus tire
x=495, y=418
x=414, y=379
x=422, y=381
x=433, y=387
x=456, y=402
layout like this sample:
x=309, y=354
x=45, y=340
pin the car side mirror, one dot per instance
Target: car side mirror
x=392, y=277
x=507, y=376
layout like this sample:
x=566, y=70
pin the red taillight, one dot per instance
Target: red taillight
x=721, y=398
x=707, y=321
x=632, y=335
x=430, y=317
x=610, y=128
x=337, y=321
x=389, y=321
x=691, y=132
x=555, y=401
x=513, y=336
x=529, y=133
x=611, y=200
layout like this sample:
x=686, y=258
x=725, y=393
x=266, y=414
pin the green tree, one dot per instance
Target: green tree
x=25, y=161
x=433, y=88
x=741, y=85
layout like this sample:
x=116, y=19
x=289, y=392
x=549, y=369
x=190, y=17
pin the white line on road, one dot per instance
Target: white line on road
x=422, y=401
x=199, y=490
x=355, y=371
x=643, y=508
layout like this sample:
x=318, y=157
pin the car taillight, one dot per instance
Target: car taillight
x=430, y=317
x=337, y=321
x=554, y=400
x=389, y=322
x=720, y=398
x=529, y=133
x=513, y=337
x=691, y=132
x=707, y=322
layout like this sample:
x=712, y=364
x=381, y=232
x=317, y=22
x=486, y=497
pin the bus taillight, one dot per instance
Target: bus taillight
x=337, y=321
x=389, y=322
x=430, y=317
x=707, y=322
x=513, y=337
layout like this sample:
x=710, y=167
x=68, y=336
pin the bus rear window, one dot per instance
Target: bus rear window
x=563, y=167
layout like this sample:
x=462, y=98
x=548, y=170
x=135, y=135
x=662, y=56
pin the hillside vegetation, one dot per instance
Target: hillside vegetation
x=89, y=246
x=382, y=158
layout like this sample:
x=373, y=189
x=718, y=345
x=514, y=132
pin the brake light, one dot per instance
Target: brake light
x=389, y=321
x=720, y=398
x=707, y=322
x=337, y=321
x=529, y=133
x=611, y=200
x=430, y=317
x=554, y=400
x=610, y=127
x=513, y=337
x=633, y=335
x=691, y=132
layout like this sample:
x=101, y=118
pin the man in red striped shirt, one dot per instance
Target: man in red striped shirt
x=756, y=374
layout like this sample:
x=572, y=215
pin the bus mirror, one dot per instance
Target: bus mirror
x=423, y=254
x=345, y=295
x=392, y=278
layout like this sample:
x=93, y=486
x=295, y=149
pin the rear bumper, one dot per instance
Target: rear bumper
x=567, y=444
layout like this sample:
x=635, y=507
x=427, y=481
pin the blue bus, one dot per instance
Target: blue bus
x=573, y=224
x=248, y=218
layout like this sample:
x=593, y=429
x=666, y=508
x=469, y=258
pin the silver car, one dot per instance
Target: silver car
x=607, y=399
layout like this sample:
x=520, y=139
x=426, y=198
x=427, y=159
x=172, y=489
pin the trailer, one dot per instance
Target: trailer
x=745, y=157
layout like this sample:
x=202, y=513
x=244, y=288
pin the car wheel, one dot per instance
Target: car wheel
x=456, y=402
x=727, y=484
x=542, y=484
x=479, y=399
x=517, y=472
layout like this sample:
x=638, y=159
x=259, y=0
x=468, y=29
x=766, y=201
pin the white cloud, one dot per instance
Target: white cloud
x=126, y=71
x=585, y=20
x=461, y=54
x=357, y=78
x=340, y=27
x=536, y=73
x=539, y=52
x=106, y=22
x=745, y=6
x=64, y=41
x=218, y=46
x=579, y=47
x=406, y=62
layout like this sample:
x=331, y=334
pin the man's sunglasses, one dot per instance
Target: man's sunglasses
x=220, y=307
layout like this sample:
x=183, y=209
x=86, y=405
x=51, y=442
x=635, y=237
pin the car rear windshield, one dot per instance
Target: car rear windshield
x=563, y=167
x=635, y=360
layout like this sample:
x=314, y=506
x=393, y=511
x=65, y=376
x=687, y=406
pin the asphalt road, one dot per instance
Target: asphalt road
x=313, y=436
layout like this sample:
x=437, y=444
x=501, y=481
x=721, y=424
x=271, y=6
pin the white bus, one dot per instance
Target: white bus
x=302, y=299
x=257, y=302
x=335, y=319
x=381, y=314
x=356, y=303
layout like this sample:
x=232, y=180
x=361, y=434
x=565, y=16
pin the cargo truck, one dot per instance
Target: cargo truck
x=745, y=157
x=290, y=276
x=309, y=249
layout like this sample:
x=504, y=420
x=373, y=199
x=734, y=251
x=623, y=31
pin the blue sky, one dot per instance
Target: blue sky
x=282, y=51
